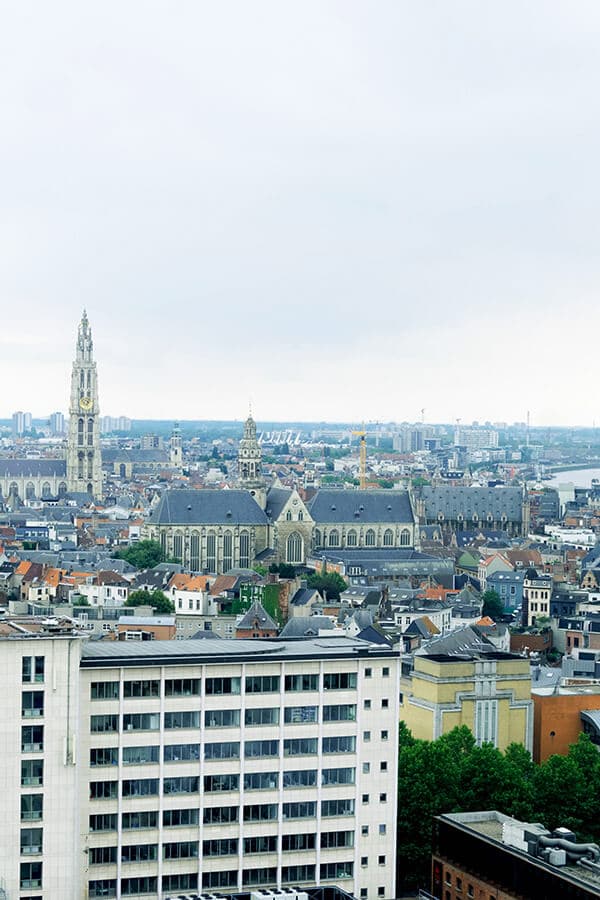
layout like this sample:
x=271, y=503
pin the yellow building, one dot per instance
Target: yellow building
x=490, y=692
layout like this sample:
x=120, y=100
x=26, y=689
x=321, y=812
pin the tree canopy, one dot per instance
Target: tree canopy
x=492, y=604
x=453, y=774
x=327, y=583
x=143, y=554
x=156, y=599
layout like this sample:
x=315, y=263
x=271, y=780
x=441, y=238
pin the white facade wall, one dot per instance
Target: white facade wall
x=342, y=714
x=55, y=746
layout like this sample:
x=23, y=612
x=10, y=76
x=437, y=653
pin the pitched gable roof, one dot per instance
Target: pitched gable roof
x=256, y=616
x=330, y=506
x=190, y=507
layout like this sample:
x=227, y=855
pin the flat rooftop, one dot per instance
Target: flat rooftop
x=489, y=825
x=130, y=653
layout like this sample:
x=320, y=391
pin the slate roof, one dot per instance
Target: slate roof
x=37, y=468
x=375, y=636
x=257, y=612
x=303, y=596
x=211, y=507
x=462, y=641
x=455, y=501
x=389, y=561
x=305, y=626
x=276, y=500
x=331, y=506
x=135, y=456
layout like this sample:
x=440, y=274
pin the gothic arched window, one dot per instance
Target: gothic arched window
x=62, y=488
x=80, y=432
x=30, y=491
x=288, y=515
x=294, y=548
x=90, y=432
x=244, y=550
x=227, y=551
x=195, y=551
x=334, y=538
x=370, y=538
x=388, y=538
x=351, y=539
x=405, y=537
x=46, y=490
x=211, y=555
x=178, y=547
x=317, y=537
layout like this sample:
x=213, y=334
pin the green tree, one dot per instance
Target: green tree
x=284, y=570
x=492, y=605
x=143, y=554
x=330, y=583
x=156, y=599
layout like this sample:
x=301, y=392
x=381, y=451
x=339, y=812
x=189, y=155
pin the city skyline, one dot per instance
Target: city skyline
x=336, y=214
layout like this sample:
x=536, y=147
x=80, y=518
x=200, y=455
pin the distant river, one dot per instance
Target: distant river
x=579, y=477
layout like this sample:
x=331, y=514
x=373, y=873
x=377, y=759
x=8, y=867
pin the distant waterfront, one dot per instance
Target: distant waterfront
x=578, y=477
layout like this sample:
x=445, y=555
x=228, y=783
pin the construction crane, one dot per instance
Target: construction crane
x=362, y=468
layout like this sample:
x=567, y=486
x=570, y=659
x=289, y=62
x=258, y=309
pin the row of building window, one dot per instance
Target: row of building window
x=135, y=853
x=333, y=538
x=254, y=684
x=209, y=557
x=214, y=815
x=190, y=784
x=32, y=740
x=224, y=718
x=148, y=884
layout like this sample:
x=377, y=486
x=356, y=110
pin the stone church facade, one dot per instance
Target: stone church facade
x=217, y=530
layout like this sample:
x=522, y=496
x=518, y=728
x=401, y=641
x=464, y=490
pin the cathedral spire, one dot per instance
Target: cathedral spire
x=85, y=344
x=84, y=464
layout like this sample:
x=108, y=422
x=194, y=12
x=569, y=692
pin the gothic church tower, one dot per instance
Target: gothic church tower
x=84, y=463
x=176, y=452
x=250, y=464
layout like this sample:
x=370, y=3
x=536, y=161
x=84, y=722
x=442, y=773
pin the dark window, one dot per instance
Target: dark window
x=103, y=790
x=140, y=787
x=101, y=856
x=139, y=853
x=104, y=690
x=104, y=822
x=182, y=687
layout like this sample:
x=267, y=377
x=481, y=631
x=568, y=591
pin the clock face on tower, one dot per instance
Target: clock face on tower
x=86, y=403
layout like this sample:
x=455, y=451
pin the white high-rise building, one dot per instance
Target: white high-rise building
x=170, y=767
x=18, y=423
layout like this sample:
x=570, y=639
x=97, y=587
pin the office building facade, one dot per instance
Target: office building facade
x=166, y=767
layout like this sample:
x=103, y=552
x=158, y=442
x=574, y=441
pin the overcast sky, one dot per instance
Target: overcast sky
x=343, y=211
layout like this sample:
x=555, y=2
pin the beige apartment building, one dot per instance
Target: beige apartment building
x=161, y=768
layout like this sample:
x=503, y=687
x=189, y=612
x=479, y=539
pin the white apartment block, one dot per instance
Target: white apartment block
x=164, y=768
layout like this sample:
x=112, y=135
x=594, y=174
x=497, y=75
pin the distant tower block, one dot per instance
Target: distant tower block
x=176, y=453
x=84, y=462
